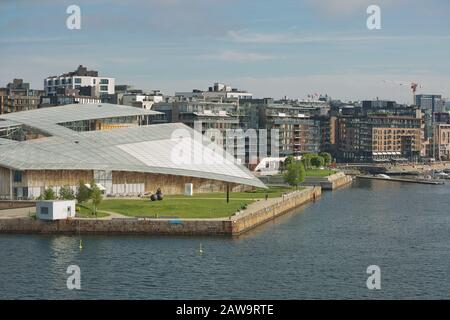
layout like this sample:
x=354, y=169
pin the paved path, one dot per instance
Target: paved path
x=17, y=213
x=112, y=215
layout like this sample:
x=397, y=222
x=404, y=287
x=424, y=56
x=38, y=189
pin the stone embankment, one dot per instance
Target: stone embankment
x=256, y=214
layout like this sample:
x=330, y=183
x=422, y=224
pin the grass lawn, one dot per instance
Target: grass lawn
x=207, y=205
x=319, y=172
x=87, y=212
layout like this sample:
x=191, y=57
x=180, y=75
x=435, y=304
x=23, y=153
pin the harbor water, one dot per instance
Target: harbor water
x=321, y=250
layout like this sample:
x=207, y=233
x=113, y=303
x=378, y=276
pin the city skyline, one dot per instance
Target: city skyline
x=293, y=48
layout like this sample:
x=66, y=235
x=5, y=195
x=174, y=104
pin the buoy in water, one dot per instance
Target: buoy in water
x=81, y=244
x=200, y=250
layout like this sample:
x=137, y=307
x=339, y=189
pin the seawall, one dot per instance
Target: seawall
x=331, y=182
x=235, y=225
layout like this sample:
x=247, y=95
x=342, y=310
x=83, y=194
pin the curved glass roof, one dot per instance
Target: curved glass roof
x=172, y=148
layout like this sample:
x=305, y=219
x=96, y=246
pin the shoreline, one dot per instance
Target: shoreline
x=256, y=214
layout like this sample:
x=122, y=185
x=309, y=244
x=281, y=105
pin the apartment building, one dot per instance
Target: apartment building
x=389, y=133
x=17, y=96
x=81, y=77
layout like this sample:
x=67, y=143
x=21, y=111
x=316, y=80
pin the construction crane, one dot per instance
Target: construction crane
x=412, y=85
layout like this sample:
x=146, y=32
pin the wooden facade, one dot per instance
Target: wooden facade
x=34, y=182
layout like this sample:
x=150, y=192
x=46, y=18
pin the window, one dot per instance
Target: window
x=77, y=80
x=104, y=81
x=103, y=88
x=17, y=176
x=44, y=210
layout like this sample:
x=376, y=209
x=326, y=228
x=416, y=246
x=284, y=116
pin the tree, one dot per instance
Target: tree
x=96, y=196
x=83, y=193
x=326, y=157
x=49, y=194
x=288, y=161
x=66, y=193
x=317, y=161
x=306, y=159
x=295, y=173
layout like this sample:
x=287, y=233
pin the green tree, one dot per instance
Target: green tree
x=317, y=161
x=295, y=173
x=83, y=193
x=288, y=161
x=96, y=196
x=49, y=194
x=66, y=193
x=306, y=159
x=326, y=157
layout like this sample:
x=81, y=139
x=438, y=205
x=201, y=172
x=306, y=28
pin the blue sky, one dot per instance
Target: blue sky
x=271, y=48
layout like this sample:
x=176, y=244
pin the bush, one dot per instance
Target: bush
x=83, y=193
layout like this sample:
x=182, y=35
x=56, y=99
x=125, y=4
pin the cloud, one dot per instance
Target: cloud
x=238, y=56
x=294, y=38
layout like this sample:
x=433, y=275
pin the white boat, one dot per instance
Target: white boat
x=381, y=175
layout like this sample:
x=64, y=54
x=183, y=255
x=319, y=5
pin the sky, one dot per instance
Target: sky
x=271, y=48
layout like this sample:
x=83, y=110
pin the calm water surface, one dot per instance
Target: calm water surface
x=320, y=251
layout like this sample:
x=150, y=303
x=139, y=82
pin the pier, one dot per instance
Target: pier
x=421, y=181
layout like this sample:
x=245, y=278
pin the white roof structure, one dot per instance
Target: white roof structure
x=154, y=148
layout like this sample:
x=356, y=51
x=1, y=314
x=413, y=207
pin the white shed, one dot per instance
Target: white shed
x=55, y=209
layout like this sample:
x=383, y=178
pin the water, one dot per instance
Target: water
x=322, y=250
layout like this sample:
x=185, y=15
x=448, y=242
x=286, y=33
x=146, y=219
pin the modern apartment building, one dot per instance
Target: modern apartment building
x=104, y=86
x=371, y=134
x=297, y=133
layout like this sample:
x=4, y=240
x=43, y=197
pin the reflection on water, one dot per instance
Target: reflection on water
x=320, y=250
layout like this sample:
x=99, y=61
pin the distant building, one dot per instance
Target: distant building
x=85, y=95
x=17, y=96
x=141, y=100
x=299, y=133
x=431, y=102
x=441, y=142
x=218, y=90
x=379, y=133
x=103, y=86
